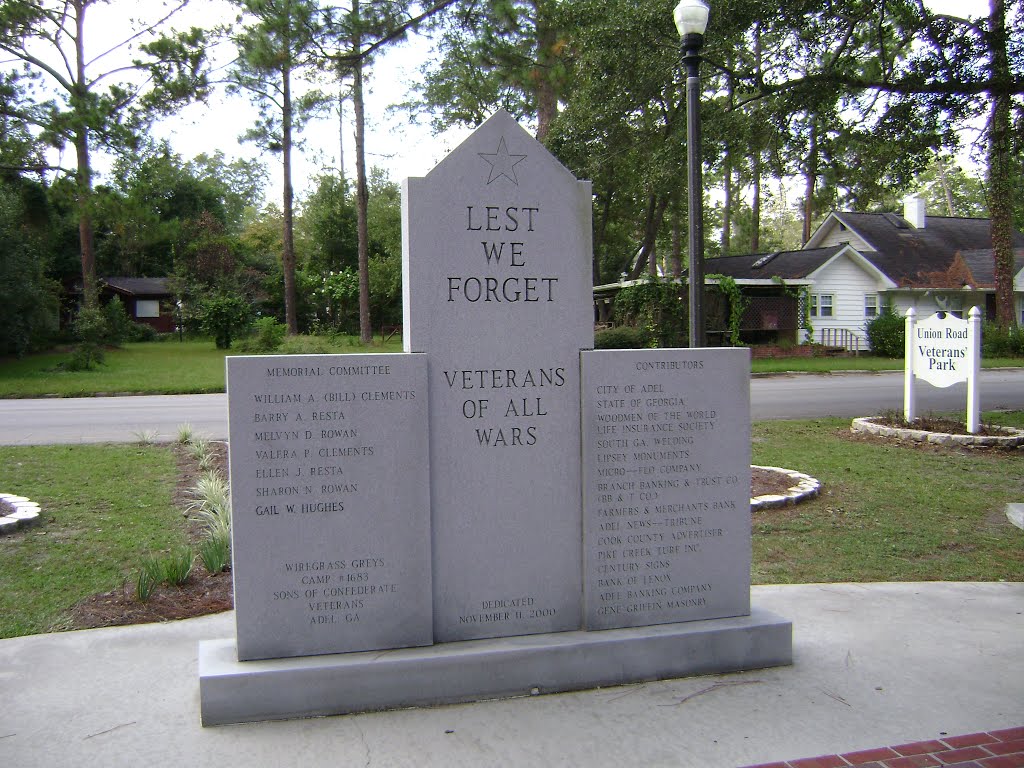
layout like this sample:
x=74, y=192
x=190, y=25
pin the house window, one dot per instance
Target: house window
x=822, y=304
x=147, y=308
x=870, y=305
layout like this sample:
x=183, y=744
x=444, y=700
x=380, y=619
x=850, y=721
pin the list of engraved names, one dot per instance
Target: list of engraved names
x=313, y=444
x=660, y=502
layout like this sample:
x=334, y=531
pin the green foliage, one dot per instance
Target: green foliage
x=212, y=505
x=141, y=332
x=500, y=54
x=386, y=289
x=28, y=300
x=802, y=294
x=621, y=337
x=307, y=345
x=67, y=96
x=225, y=317
x=90, y=329
x=186, y=434
x=145, y=584
x=737, y=305
x=1002, y=342
x=329, y=220
x=215, y=552
x=655, y=307
x=266, y=338
x=119, y=325
x=336, y=301
x=176, y=566
x=887, y=333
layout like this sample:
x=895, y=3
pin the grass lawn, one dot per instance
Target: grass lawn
x=104, y=508
x=859, y=363
x=158, y=368
x=171, y=367
x=886, y=513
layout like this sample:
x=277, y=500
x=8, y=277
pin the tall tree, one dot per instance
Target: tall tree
x=357, y=33
x=498, y=54
x=94, y=95
x=276, y=51
x=945, y=71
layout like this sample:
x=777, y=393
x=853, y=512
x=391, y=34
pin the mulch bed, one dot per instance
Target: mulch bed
x=200, y=595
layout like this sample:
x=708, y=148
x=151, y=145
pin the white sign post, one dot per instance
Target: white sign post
x=943, y=350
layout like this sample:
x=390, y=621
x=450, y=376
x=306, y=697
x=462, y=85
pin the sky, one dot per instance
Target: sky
x=394, y=143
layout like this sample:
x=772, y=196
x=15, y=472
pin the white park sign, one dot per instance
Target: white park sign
x=943, y=350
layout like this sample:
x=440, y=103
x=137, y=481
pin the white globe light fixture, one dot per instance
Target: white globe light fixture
x=691, y=18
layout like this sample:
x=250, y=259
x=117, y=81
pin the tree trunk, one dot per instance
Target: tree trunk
x=811, y=176
x=341, y=139
x=547, y=99
x=288, y=238
x=655, y=215
x=755, y=205
x=946, y=190
x=1000, y=187
x=83, y=202
x=362, y=196
x=599, y=235
x=677, y=239
x=83, y=178
x=727, y=207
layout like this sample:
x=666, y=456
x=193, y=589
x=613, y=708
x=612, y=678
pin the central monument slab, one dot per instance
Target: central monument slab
x=481, y=568
x=497, y=290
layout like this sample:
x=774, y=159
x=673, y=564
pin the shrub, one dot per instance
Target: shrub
x=267, y=336
x=656, y=306
x=90, y=329
x=306, y=345
x=119, y=325
x=886, y=334
x=621, y=337
x=225, y=318
x=141, y=332
x=1000, y=342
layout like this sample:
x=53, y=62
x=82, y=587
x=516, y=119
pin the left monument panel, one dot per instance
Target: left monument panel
x=330, y=498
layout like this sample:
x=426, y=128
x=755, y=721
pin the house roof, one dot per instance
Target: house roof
x=138, y=286
x=982, y=266
x=789, y=265
x=913, y=257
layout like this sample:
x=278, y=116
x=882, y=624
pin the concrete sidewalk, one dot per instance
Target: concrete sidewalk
x=875, y=665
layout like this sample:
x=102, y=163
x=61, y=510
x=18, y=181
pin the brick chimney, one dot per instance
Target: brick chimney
x=914, y=211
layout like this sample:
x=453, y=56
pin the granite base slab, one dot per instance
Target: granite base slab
x=312, y=686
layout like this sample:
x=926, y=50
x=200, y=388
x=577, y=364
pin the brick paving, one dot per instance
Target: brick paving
x=992, y=749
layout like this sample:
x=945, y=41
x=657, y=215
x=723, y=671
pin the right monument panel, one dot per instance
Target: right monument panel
x=666, y=473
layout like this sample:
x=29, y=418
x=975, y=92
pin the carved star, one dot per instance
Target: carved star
x=502, y=163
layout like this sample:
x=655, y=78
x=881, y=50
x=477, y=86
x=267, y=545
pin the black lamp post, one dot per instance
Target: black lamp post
x=691, y=20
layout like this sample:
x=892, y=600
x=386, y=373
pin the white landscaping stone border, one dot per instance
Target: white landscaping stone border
x=1012, y=438
x=804, y=487
x=17, y=512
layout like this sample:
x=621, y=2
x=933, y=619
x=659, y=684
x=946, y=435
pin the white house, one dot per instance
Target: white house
x=856, y=263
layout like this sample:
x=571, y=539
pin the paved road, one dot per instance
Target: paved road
x=848, y=394
x=124, y=419
x=110, y=419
